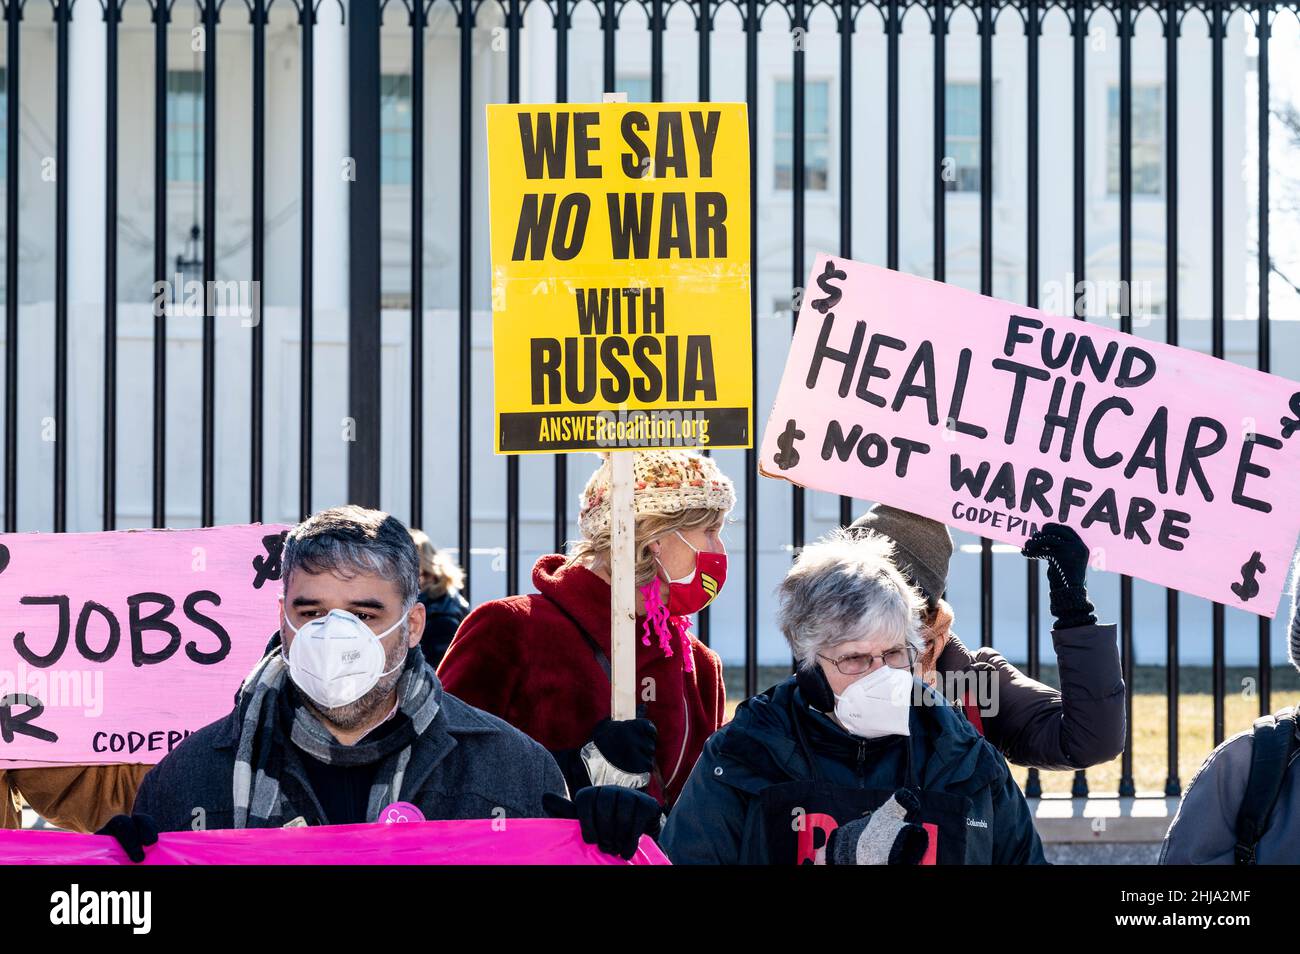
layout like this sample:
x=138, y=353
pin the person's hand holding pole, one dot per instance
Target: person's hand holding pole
x=611, y=817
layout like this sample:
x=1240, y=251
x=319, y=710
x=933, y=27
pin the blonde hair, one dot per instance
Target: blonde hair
x=649, y=527
x=442, y=571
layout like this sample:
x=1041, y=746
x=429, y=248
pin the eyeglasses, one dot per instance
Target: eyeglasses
x=855, y=664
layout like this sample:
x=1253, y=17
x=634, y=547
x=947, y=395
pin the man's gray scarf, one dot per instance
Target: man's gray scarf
x=1294, y=647
x=259, y=757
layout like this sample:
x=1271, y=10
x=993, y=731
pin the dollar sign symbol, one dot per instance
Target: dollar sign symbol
x=1291, y=424
x=268, y=567
x=833, y=294
x=788, y=456
x=1248, y=588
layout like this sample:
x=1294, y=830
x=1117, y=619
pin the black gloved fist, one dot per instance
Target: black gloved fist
x=1067, y=569
x=628, y=745
x=612, y=818
x=133, y=832
x=890, y=835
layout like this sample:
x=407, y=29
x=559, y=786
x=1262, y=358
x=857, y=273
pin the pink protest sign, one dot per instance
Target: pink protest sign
x=1173, y=466
x=117, y=645
x=524, y=841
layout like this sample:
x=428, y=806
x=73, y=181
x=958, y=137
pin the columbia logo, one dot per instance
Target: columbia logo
x=976, y=823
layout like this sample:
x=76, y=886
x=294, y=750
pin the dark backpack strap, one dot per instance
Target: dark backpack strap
x=594, y=646
x=1273, y=741
x=601, y=659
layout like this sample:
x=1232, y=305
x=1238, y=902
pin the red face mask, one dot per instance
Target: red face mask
x=692, y=593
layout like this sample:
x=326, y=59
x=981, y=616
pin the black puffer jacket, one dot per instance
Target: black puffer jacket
x=1033, y=724
x=725, y=814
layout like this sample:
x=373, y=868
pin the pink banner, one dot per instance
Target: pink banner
x=524, y=841
x=1173, y=466
x=117, y=645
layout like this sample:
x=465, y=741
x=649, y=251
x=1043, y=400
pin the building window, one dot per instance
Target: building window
x=817, y=136
x=395, y=129
x=1148, y=140
x=961, y=148
x=184, y=126
x=636, y=87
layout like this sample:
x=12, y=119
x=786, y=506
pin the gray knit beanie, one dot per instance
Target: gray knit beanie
x=922, y=547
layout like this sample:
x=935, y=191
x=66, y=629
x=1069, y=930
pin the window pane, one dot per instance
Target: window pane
x=816, y=114
x=962, y=136
x=1147, y=135
x=817, y=165
x=816, y=135
x=1148, y=112
x=784, y=107
x=184, y=125
x=1148, y=170
x=395, y=125
x=962, y=109
x=782, y=178
x=636, y=87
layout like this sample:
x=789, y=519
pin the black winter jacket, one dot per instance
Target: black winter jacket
x=724, y=815
x=467, y=764
x=1032, y=724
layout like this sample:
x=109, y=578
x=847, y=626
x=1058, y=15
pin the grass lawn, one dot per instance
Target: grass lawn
x=1150, y=718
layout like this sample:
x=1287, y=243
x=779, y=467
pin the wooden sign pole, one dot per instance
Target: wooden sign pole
x=622, y=570
x=622, y=604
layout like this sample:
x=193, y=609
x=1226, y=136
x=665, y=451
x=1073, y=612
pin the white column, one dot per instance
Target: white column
x=85, y=178
x=330, y=251
x=330, y=235
x=87, y=137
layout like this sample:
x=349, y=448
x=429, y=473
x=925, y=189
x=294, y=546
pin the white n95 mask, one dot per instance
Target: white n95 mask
x=336, y=659
x=878, y=704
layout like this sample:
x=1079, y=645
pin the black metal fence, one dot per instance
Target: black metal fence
x=366, y=20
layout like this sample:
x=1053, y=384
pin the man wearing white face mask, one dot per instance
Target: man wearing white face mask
x=851, y=760
x=347, y=719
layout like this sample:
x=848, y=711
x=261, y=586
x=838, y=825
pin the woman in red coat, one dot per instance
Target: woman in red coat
x=542, y=661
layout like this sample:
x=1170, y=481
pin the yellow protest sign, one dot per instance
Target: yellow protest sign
x=620, y=275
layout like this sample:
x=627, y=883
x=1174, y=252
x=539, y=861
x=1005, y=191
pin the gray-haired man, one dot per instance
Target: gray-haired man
x=346, y=718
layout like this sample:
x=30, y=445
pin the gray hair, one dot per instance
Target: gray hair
x=351, y=539
x=845, y=588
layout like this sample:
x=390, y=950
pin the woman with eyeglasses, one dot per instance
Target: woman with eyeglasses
x=852, y=760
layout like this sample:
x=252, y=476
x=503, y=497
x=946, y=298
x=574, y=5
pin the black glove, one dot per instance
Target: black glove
x=133, y=832
x=883, y=837
x=613, y=818
x=1067, y=569
x=628, y=745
